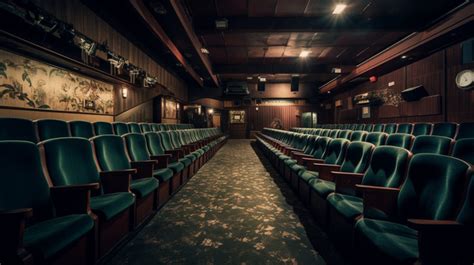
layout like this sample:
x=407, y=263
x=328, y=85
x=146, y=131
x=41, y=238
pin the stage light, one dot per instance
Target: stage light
x=304, y=53
x=339, y=9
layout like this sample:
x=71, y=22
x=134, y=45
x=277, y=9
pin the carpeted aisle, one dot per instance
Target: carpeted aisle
x=231, y=212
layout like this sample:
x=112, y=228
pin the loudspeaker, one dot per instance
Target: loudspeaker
x=258, y=101
x=414, y=93
x=261, y=86
x=295, y=83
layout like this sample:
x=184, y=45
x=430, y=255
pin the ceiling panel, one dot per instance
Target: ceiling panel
x=290, y=8
x=278, y=39
x=276, y=51
x=261, y=8
x=231, y=8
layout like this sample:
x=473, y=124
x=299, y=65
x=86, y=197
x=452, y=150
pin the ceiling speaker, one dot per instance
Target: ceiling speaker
x=414, y=93
x=295, y=83
x=260, y=86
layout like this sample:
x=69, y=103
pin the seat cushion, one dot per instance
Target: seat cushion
x=307, y=175
x=51, y=236
x=143, y=187
x=322, y=187
x=297, y=168
x=392, y=239
x=290, y=162
x=186, y=161
x=163, y=174
x=110, y=205
x=348, y=206
x=283, y=157
x=176, y=166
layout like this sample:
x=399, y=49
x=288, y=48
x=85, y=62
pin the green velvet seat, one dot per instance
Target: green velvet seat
x=112, y=156
x=464, y=150
x=378, y=128
x=102, y=128
x=133, y=127
x=155, y=147
x=145, y=127
x=49, y=129
x=465, y=130
x=345, y=134
x=23, y=186
x=358, y=136
x=62, y=157
x=17, y=129
x=446, y=129
x=376, y=138
x=82, y=129
x=368, y=127
x=386, y=168
x=333, y=133
x=120, y=128
x=431, y=144
x=155, y=127
x=433, y=190
x=406, y=128
x=422, y=129
x=390, y=128
x=400, y=140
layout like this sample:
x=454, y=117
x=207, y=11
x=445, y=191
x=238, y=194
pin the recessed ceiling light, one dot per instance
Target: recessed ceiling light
x=339, y=9
x=304, y=53
x=262, y=79
x=336, y=70
x=404, y=56
x=249, y=77
x=204, y=51
x=222, y=23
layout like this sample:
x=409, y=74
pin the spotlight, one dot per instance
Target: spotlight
x=87, y=45
x=339, y=9
x=210, y=111
x=204, y=51
x=149, y=81
x=116, y=60
x=304, y=53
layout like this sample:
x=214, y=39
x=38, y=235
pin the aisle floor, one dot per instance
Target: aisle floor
x=234, y=211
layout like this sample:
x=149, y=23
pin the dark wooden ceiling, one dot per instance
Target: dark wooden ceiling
x=266, y=36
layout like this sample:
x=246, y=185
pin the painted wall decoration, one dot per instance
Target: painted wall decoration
x=170, y=109
x=237, y=116
x=27, y=83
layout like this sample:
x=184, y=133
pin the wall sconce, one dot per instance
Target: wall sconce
x=211, y=111
x=124, y=92
x=177, y=105
x=256, y=108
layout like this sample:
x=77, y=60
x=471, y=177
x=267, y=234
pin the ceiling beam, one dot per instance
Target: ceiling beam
x=206, y=25
x=279, y=69
x=155, y=27
x=458, y=25
x=186, y=24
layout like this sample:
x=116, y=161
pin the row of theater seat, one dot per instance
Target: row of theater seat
x=71, y=200
x=447, y=129
x=45, y=129
x=383, y=203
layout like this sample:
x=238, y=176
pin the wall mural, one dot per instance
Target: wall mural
x=26, y=83
x=170, y=109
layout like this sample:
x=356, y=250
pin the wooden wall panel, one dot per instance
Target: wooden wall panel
x=67, y=116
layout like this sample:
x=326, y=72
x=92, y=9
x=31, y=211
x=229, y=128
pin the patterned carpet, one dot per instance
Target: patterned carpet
x=234, y=211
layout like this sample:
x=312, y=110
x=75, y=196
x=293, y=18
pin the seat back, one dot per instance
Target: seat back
x=335, y=151
x=357, y=157
x=103, y=128
x=320, y=147
x=434, y=187
x=405, y=128
x=431, y=144
x=368, y=127
x=447, y=129
x=17, y=129
x=155, y=127
x=376, y=138
x=464, y=150
x=345, y=134
x=465, y=130
x=166, y=141
x=153, y=141
x=82, y=129
x=70, y=161
x=145, y=127
x=387, y=167
x=22, y=183
x=333, y=133
x=378, y=128
x=400, y=140
x=133, y=127
x=390, y=128
x=120, y=128
x=422, y=129
x=110, y=152
x=49, y=129
x=358, y=136
x=466, y=214
x=136, y=146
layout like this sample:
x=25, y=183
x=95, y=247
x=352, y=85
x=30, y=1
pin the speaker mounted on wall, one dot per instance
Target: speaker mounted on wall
x=295, y=83
x=261, y=86
x=414, y=93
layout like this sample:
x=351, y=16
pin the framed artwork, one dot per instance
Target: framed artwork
x=170, y=109
x=237, y=116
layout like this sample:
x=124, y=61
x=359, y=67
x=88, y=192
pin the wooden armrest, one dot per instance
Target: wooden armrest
x=324, y=170
x=116, y=181
x=162, y=160
x=298, y=155
x=345, y=181
x=308, y=161
x=144, y=168
x=288, y=149
x=72, y=199
x=379, y=202
x=12, y=228
x=175, y=154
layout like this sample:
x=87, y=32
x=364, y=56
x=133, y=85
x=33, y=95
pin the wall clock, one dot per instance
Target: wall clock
x=465, y=79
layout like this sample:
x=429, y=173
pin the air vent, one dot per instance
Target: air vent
x=236, y=88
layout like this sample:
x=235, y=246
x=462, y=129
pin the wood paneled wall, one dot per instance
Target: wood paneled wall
x=263, y=117
x=436, y=73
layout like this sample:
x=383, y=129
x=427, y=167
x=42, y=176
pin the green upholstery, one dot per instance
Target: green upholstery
x=17, y=129
x=153, y=141
x=466, y=214
x=368, y=127
x=431, y=144
x=433, y=190
x=120, y=128
x=51, y=236
x=345, y=134
x=378, y=128
x=422, y=129
x=62, y=156
x=358, y=136
x=333, y=133
x=322, y=187
x=390, y=128
x=23, y=185
x=465, y=130
x=163, y=174
x=49, y=129
x=446, y=129
x=102, y=128
x=134, y=127
x=464, y=150
x=405, y=128
x=145, y=127
x=348, y=206
x=400, y=140
x=155, y=127
x=376, y=138
x=82, y=129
